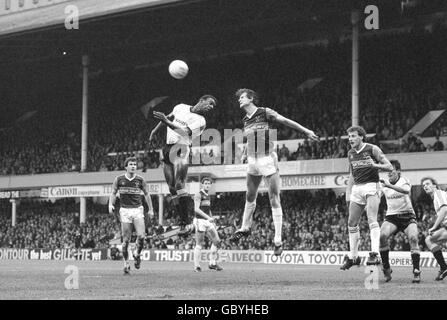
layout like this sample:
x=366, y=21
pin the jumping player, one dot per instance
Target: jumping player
x=184, y=123
x=130, y=187
x=365, y=161
x=262, y=161
x=399, y=216
x=437, y=234
x=204, y=225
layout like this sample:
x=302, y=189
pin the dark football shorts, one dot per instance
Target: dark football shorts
x=401, y=221
x=175, y=151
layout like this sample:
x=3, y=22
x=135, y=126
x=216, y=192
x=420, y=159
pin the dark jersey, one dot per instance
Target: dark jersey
x=258, y=134
x=359, y=164
x=205, y=203
x=130, y=190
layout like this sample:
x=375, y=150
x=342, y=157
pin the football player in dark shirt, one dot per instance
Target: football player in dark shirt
x=363, y=190
x=262, y=160
x=204, y=225
x=130, y=187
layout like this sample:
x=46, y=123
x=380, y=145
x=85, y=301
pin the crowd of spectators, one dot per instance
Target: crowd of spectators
x=313, y=220
x=47, y=225
x=395, y=93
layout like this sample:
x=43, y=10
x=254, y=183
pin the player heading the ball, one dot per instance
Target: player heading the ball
x=184, y=124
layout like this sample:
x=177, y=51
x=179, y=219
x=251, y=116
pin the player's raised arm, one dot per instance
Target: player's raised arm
x=112, y=197
x=197, y=200
x=384, y=164
x=154, y=131
x=275, y=116
x=167, y=120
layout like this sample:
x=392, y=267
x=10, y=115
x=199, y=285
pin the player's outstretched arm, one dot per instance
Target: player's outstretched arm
x=384, y=164
x=158, y=126
x=273, y=115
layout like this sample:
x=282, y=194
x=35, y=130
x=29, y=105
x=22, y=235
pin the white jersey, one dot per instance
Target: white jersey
x=439, y=201
x=186, y=119
x=398, y=202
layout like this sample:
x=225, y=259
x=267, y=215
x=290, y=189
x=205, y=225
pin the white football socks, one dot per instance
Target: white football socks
x=374, y=232
x=277, y=222
x=213, y=257
x=247, y=218
x=197, y=250
x=354, y=236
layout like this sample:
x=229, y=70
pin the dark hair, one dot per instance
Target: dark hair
x=250, y=94
x=395, y=164
x=361, y=132
x=206, y=179
x=129, y=159
x=429, y=178
x=208, y=96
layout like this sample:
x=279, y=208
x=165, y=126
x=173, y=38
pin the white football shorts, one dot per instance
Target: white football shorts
x=263, y=166
x=129, y=215
x=360, y=192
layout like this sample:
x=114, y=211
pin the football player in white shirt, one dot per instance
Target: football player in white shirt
x=399, y=216
x=437, y=234
x=184, y=123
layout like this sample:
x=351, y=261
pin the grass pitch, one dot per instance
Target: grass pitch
x=176, y=281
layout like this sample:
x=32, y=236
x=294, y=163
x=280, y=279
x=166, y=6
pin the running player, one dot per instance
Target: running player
x=399, y=216
x=437, y=234
x=130, y=187
x=184, y=123
x=365, y=161
x=204, y=225
x=262, y=161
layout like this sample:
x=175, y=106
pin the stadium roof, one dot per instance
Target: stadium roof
x=116, y=32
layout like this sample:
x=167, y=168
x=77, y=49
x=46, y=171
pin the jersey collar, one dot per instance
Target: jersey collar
x=251, y=115
x=361, y=149
x=128, y=177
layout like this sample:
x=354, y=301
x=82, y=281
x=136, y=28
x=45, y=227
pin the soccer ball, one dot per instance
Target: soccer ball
x=178, y=69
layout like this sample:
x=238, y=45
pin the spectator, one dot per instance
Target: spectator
x=438, y=145
x=284, y=153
